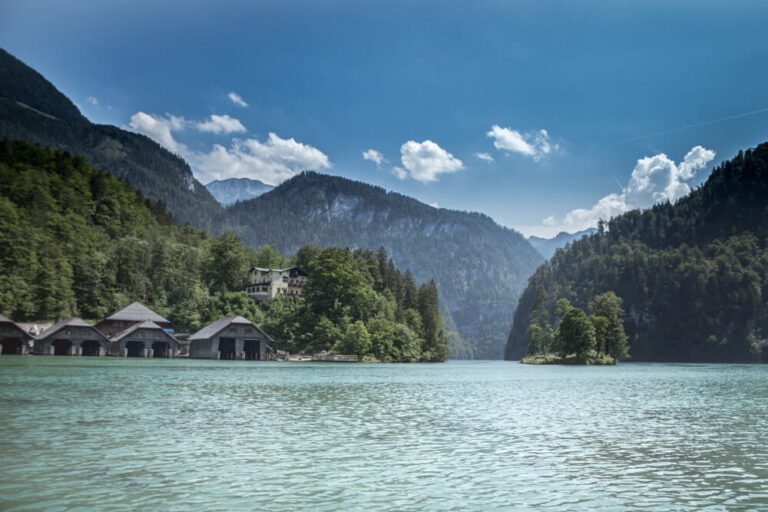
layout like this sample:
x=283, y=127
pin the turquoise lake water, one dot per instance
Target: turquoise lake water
x=165, y=435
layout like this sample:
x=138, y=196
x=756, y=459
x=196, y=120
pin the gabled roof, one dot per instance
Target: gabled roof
x=219, y=325
x=72, y=322
x=137, y=312
x=5, y=320
x=149, y=324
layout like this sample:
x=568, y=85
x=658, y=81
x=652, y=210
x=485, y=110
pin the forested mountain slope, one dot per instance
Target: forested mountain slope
x=693, y=275
x=480, y=267
x=32, y=109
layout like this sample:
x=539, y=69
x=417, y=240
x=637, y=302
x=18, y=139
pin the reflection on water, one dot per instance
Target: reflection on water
x=124, y=434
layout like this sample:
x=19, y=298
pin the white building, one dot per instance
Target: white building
x=267, y=283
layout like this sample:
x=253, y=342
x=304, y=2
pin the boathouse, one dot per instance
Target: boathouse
x=13, y=339
x=73, y=337
x=129, y=316
x=145, y=339
x=233, y=337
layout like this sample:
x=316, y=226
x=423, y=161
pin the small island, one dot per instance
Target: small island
x=580, y=339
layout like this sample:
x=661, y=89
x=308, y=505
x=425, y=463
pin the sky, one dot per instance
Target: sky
x=546, y=116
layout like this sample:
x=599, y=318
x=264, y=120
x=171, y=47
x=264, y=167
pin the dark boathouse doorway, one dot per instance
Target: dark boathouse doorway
x=251, y=349
x=160, y=349
x=227, y=348
x=10, y=346
x=62, y=348
x=90, y=348
x=135, y=348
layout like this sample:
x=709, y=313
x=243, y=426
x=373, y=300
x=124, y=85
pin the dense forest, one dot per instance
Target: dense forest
x=480, y=267
x=75, y=241
x=693, y=275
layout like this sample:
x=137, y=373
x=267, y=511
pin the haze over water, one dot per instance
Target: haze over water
x=130, y=434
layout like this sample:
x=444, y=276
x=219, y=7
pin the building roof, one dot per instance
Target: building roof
x=137, y=312
x=72, y=322
x=219, y=325
x=262, y=269
x=5, y=320
x=148, y=324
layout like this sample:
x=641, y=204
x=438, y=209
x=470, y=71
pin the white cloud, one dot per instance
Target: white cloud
x=221, y=124
x=399, y=172
x=434, y=205
x=236, y=99
x=374, y=156
x=93, y=100
x=484, y=156
x=272, y=161
x=535, y=145
x=654, y=179
x=424, y=161
x=159, y=129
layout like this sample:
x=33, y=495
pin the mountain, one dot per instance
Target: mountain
x=32, y=109
x=693, y=275
x=232, y=190
x=547, y=246
x=480, y=267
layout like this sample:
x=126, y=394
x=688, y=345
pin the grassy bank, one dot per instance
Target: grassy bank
x=591, y=358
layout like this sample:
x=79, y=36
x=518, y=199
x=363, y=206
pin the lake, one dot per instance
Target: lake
x=174, y=434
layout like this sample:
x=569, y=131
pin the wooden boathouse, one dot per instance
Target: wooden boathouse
x=13, y=339
x=233, y=337
x=129, y=316
x=73, y=337
x=144, y=339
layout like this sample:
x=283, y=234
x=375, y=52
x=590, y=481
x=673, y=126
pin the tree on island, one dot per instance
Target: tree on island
x=597, y=338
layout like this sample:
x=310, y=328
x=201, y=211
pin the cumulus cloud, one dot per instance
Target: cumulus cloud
x=374, y=156
x=93, y=100
x=534, y=144
x=434, y=205
x=159, y=129
x=484, y=156
x=424, y=161
x=236, y=99
x=221, y=124
x=654, y=179
x=399, y=172
x=272, y=161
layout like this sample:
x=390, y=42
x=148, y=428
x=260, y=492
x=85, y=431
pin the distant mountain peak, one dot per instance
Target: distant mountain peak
x=231, y=190
x=548, y=246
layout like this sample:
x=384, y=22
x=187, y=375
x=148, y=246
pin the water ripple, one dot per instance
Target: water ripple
x=117, y=434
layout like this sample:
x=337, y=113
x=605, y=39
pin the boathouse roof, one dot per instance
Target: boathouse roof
x=137, y=312
x=5, y=320
x=219, y=325
x=72, y=322
x=148, y=324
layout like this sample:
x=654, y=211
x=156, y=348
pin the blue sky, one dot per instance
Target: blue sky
x=580, y=110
